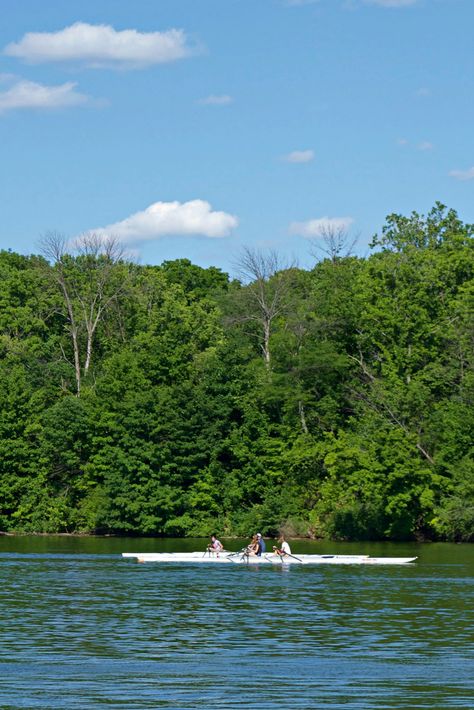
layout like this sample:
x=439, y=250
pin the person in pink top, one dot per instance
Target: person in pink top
x=215, y=545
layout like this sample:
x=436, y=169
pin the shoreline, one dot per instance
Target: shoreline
x=4, y=533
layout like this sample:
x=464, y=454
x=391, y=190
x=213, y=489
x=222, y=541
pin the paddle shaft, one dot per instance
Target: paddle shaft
x=287, y=554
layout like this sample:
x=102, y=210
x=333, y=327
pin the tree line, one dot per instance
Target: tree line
x=332, y=402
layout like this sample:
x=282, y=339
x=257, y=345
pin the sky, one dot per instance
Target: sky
x=194, y=128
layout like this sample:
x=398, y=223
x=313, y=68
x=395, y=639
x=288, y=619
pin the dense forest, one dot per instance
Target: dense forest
x=335, y=402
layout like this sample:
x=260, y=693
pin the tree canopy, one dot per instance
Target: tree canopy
x=335, y=402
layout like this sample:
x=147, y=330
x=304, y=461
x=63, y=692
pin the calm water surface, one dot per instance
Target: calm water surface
x=83, y=628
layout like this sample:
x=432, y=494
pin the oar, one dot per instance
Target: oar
x=293, y=556
x=238, y=560
x=287, y=554
x=245, y=554
x=239, y=552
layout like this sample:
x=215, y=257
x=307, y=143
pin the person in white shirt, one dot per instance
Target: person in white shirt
x=215, y=545
x=284, y=548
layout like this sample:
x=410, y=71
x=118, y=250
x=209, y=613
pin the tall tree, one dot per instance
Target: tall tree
x=89, y=284
x=265, y=298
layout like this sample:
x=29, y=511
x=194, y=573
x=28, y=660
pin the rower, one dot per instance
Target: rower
x=284, y=548
x=215, y=545
x=261, y=545
x=253, y=548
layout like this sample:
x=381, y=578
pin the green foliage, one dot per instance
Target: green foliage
x=454, y=515
x=336, y=402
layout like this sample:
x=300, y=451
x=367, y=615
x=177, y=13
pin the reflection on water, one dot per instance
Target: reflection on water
x=82, y=628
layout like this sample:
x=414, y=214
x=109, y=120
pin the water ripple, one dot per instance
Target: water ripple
x=92, y=631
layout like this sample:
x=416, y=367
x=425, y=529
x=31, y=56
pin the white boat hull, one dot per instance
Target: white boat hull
x=269, y=558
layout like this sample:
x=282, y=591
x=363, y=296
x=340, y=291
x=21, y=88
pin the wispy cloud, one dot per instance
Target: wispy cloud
x=299, y=156
x=101, y=46
x=30, y=95
x=423, y=92
x=462, y=174
x=161, y=219
x=391, y=3
x=423, y=145
x=317, y=227
x=220, y=100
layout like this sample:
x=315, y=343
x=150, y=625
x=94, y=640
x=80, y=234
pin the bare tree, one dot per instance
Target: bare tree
x=53, y=248
x=268, y=281
x=334, y=241
x=89, y=283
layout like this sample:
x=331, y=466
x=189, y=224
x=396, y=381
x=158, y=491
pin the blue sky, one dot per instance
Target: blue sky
x=189, y=128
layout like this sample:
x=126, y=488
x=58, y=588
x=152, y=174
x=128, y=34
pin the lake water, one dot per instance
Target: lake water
x=83, y=628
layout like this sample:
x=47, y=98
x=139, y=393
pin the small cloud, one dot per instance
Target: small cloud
x=391, y=3
x=402, y=141
x=423, y=91
x=317, y=227
x=161, y=219
x=462, y=174
x=425, y=145
x=100, y=46
x=30, y=95
x=299, y=156
x=221, y=100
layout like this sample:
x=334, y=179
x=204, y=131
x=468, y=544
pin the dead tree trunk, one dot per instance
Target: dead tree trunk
x=88, y=283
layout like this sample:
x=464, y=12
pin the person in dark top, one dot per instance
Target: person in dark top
x=261, y=545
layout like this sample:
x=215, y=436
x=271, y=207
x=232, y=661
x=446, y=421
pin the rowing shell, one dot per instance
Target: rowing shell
x=242, y=558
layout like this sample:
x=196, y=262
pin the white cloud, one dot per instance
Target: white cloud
x=392, y=3
x=463, y=174
x=423, y=91
x=299, y=156
x=425, y=145
x=402, y=141
x=100, y=45
x=30, y=95
x=317, y=227
x=221, y=100
x=161, y=219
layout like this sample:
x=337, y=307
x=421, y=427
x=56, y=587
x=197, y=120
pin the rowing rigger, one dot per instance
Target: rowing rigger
x=242, y=558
